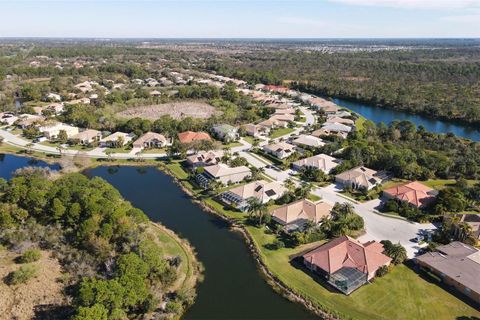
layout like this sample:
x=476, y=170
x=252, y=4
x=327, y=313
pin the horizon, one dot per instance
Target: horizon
x=234, y=19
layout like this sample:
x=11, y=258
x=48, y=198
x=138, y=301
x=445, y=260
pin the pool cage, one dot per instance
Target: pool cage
x=347, y=279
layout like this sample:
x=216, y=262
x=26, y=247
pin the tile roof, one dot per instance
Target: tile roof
x=414, y=193
x=262, y=190
x=190, y=136
x=321, y=161
x=302, y=210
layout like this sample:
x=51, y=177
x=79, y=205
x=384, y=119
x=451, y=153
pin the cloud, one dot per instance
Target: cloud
x=415, y=4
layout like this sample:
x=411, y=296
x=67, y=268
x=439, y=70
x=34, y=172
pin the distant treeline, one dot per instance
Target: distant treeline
x=443, y=83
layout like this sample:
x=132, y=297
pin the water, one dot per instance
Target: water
x=386, y=116
x=10, y=163
x=233, y=287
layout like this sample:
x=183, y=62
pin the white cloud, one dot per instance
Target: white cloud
x=416, y=4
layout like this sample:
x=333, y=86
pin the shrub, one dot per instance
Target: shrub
x=22, y=275
x=30, y=255
x=383, y=270
x=277, y=244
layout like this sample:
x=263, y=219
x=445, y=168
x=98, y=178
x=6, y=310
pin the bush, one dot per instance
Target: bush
x=30, y=255
x=22, y=275
x=174, y=307
x=275, y=245
x=383, y=270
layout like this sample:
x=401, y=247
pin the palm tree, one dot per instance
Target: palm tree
x=29, y=147
x=289, y=184
x=254, y=204
x=398, y=253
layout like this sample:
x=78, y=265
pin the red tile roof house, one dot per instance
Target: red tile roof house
x=414, y=193
x=190, y=136
x=295, y=215
x=346, y=263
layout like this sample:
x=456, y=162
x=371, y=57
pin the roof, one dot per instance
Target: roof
x=336, y=119
x=308, y=140
x=302, y=210
x=221, y=170
x=190, y=136
x=87, y=134
x=346, y=252
x=207, y=157
x=360, y=175
x=116, y=135
x=414, y=193
x=224, y=128
x=261, y=190
x=335, y=126
x=457, y=261
x=280, y=146
x=321, y=161
x=149, y=136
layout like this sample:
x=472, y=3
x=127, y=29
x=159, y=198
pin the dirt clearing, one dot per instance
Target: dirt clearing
x=177, y=110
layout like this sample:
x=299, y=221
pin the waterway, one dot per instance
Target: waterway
x=386, y=116
x=233, y=287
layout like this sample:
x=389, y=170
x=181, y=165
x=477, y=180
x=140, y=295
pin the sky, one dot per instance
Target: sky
x=240, y=18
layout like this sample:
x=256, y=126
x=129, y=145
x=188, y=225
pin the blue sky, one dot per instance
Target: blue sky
x=240, y=18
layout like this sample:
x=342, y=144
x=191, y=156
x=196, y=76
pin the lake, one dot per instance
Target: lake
x=386, y=116
x=233, y=287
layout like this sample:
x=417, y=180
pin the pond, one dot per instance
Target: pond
x=233, y=287
x=386, y=116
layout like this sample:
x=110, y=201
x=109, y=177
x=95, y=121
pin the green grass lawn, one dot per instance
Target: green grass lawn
x=120, y=150
x=276, y=133
x=401, y=294
x=232, y=145
x=249, y=139
x=154, y=150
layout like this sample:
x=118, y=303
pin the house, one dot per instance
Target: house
x=321, y=161
x=155, y=93
x=262, y=190
x=414, y=193
x=225, y=132
x=344, y=121
x=190, y=136
x=51, y=132
x=78, y=101
x=85, y=86
x=88, y=136
x=337, y=129
x=150, y=140
x=256, y=130
x=295, y=215
x=281, y=150
x=308, y=141
x=457, y=265
x=283, y=117
x=326, y=106
x=223, y=174
x=272, y=124
x=27, y=120
x=204, y=159
x=359, y=178
x=473, y=220
x=288, y=110
x=346, y=263
x=8, y=118
x=330, y=109
x=53, y=97
x=114, y=139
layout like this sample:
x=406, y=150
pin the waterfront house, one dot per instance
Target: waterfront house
x=87, y=137
x=52, y=131
x=280, y=150
x=190, y=136
x=322, y=162
x=116, y=140
x=336, y=129
x=359, y=178
x=262, y=190
x=223, y=174
x=414, y=193
x=344, y=121
x=457, y=265
x=295, y=215
x=225, y=132
x=204, y=159
x=308, y=141
x=346, y=263
x=150, y=140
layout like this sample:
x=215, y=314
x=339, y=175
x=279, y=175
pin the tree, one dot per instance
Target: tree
x=257, y=209
x=95, y=312
x=395, y=251
x=62, y=136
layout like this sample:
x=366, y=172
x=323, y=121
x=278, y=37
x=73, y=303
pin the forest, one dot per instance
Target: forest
x=116, y=269
x=441, y=83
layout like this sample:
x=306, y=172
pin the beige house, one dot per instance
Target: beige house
x=150, y=140
x=256, y=130
x=204, y=159
x=335, y=119
x=322, y=162
x=88, y=136
x=295, y=215
x=358, y=178
x=281, y=150
x=262, y=190
x=51, y=132
x=114, y=138
x=223, y=174
x=308, y=141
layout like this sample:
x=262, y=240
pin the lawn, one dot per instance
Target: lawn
x=401, y=294
x=232, y=145
x=249, y=139
x=154, y=150
x=276, y=133
x=120, y=150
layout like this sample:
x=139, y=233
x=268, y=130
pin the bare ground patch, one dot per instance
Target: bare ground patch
x=177, y=110
x=24, y=300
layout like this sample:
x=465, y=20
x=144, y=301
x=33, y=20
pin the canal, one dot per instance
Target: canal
x=386, y=116
x=233, y=287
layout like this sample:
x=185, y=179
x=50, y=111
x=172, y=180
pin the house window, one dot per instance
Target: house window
x=467, y=290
